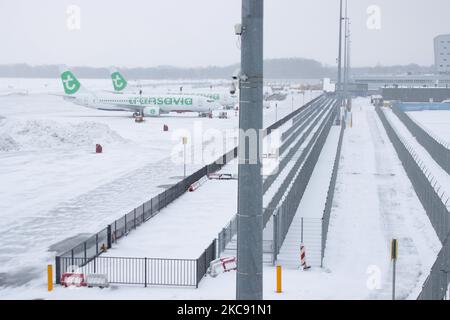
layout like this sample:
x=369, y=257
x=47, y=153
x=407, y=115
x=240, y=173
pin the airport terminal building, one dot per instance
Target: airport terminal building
x=442, y=53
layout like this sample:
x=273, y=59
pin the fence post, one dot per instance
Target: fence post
x=85, y=252
x=58, y=270
x=143, y=212
x=206, y=259
x=302, y=231
x=96, y=244
x=108, y=236
x=196, y=274
x=145, y=271
x=151, y=207
x=215, y=255
x=275, y=237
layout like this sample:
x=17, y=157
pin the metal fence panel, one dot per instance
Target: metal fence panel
x=330, y=194
x=436, y=284
x=136, y=271
x=439, y=151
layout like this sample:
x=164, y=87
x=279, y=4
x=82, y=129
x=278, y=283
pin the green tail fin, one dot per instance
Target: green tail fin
x=119, y=82
x=70, y=82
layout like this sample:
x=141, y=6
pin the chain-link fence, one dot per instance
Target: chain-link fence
x=285, y=213
x=298, y=120
x=432, y=201
x=439, y=150
x=292, y=115
x=424, y=184
x=436, y=286
x=304, y=132
x=228, y=233
x=315, y=146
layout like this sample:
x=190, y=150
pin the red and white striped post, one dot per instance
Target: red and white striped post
x=303, y=257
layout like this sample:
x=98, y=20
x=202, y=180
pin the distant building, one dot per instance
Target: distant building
x=404, y=81
x=437, y=95
x=442, y=53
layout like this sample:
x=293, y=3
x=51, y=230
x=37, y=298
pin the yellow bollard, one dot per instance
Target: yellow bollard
x=279, y=279
x=50, y=277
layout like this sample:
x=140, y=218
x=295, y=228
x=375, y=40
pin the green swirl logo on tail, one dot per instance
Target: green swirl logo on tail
x=119, y=82
x=70, y=82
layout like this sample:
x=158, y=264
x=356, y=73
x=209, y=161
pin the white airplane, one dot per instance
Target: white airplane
x=139, y=104
x=120, y=85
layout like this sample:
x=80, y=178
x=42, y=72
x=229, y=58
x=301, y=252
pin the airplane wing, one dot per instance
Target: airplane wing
x=62, y=95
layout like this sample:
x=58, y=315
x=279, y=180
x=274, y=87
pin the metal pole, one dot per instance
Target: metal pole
x=250, y=220
x=276, y=112
x=393, y=281
x=184, y=164
x=340, y=54
x=345, y=52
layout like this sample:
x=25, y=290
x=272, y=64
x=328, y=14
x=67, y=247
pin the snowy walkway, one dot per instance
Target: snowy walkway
x=375, y=202
x=311, y=209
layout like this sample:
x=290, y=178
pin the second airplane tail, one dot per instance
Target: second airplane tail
x=118, y=80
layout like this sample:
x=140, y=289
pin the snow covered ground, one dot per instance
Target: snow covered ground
x=54, y=187
x=435, y=122
x=374, y=202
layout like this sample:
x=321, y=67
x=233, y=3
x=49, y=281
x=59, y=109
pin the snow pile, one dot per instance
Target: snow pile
x=47, y=134
x=7, y=143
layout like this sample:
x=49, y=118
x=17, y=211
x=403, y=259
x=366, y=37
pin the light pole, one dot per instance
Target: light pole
x=249, y=281
x=340, y=54
x=344, y=93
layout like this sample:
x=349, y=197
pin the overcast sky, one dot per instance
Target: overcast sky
x=146, y=33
